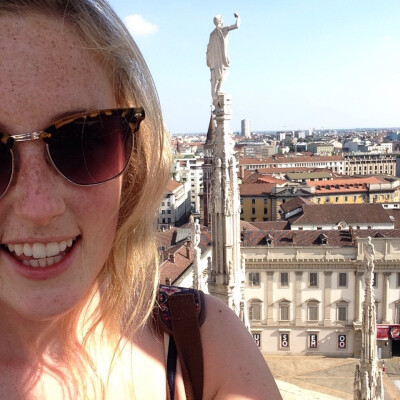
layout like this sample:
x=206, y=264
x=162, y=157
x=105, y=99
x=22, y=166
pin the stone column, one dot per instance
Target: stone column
x=385, y=297
x=297, y=297
x=327, y=298
x=358, y=293
x=269, y=297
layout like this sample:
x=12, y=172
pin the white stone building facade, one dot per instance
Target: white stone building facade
x=308, y=300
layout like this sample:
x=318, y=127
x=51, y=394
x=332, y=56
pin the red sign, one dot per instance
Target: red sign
x=395, y=332
x=382, y=332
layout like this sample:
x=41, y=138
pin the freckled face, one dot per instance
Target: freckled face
x=45, y=72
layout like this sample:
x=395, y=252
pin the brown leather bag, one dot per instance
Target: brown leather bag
x=180, y=312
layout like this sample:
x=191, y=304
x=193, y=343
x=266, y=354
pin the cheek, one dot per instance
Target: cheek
x=97, y=211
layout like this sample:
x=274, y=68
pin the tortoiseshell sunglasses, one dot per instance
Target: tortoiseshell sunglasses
x=86, y=148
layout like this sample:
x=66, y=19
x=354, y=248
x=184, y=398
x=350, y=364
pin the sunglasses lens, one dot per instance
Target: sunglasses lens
x=92, y=150
x=6, y=163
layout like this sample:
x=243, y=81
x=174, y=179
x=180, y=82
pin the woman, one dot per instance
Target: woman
x=78, y=267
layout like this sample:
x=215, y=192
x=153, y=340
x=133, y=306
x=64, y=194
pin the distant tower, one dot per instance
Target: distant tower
x=207, y=171
x=246, y=131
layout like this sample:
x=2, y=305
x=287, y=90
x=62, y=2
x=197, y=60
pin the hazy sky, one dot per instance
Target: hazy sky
x=294, y=64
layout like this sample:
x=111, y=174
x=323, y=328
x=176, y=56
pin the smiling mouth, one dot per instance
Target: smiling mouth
x=40, y=255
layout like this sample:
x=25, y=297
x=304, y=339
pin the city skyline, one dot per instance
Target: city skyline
x=294, y=64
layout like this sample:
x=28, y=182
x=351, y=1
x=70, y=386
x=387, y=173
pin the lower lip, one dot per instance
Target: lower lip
x=38, y=273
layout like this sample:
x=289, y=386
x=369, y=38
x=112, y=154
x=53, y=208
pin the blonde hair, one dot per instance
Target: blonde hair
x=129, y=278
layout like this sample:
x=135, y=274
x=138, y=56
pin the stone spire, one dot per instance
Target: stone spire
x=207, y=170
x=225, y=214
x=226, y=275
x=368, y=376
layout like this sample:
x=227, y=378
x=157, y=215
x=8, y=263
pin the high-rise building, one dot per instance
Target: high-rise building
x=246, y=131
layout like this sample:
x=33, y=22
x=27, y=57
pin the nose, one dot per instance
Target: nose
x=37, y=193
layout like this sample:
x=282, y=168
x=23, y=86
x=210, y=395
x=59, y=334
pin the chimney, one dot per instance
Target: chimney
x=189, y=254
x=294, y=239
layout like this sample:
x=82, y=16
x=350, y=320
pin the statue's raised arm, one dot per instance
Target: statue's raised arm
x=217, y=54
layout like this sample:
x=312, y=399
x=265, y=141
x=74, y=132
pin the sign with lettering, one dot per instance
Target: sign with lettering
x=257, y=339
x=284, y=340
x=342, y=343
x=312, y=340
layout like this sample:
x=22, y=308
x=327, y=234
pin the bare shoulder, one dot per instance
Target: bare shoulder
x=233, y=365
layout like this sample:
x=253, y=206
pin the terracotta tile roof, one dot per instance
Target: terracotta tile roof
x=270, y=225
x=166, y=238
x=285, y=238
x=172, y=185
x=270, y=179
x=256, y=189
x=350, y=213
x=285, y=159
x=348, y=181
x=179, y=259
x=294, y=203
x=286, y=170
x=395, y=214
x=244, y=225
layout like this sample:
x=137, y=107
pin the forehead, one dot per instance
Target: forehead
x=46, y=69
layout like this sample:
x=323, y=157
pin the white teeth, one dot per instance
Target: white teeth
x=42, y=262
x=52, y=249
x=27, y=250
x=44, y=254
x=39, y=250
x=18, y=249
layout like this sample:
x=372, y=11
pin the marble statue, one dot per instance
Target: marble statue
x=196, y=233
x=369, y=252
x=217, y=54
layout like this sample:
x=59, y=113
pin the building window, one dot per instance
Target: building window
x=284, y=278
x=312, y=310
x=253, y=210
x=284, y=311
x=254, y=278
x=398, y=279
x=342, y=279
x=255, y=310
x=265, y=201
x=253, y=201
x=375, y=280
x=313, y=279
x=342, y=312
x=265, y=210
